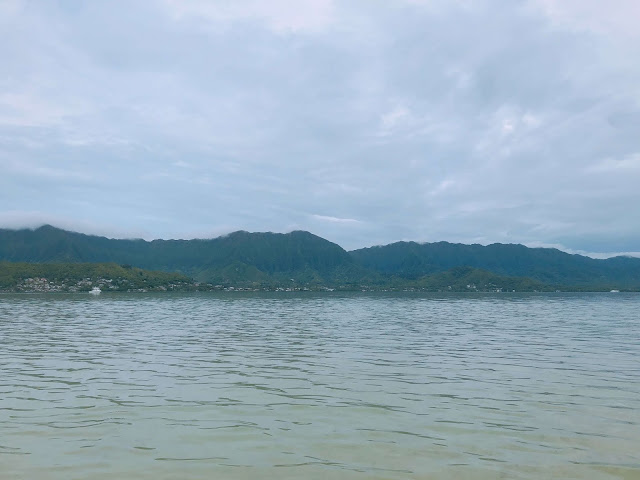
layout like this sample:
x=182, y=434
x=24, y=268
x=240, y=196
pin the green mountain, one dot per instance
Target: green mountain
x=301, y=258
x=548, y=265
x=237, y=258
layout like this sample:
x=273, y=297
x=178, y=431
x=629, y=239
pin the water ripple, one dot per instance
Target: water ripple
x=319, y=386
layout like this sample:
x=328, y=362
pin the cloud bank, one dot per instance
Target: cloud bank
x=363, y=122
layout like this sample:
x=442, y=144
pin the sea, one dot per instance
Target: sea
x=303, y=385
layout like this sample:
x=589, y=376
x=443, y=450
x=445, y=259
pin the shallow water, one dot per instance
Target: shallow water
x=292, y=385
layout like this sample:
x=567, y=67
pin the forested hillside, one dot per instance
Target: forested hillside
x=547, y=265
x=237, y=257
x=244, y=258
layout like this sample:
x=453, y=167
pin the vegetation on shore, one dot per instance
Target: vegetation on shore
x=82, y=277
x=110, y=277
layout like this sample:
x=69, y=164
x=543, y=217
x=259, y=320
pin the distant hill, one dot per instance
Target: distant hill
x=240, y=257
x=301, y=258
x=548, y=265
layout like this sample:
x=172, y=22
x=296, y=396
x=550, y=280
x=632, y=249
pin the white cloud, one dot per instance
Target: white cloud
x=282, y=16
x=28, y=109
x=424, y=120
x=612, y=18
x=394, y=118
x=326, y=218
x=36, y=169
x=182, y=164
x=444, y=186
x=626, y=164
x=34, y=218
x=573, y=251
x=9, y=9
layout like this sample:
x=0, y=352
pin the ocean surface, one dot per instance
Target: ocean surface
x=319, y=386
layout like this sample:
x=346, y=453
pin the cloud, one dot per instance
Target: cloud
x=394, y=117
x=618, y=18
x=628, y=163
x=281, y=16
x=17, y=219
x=427, y=120
x=325, y=218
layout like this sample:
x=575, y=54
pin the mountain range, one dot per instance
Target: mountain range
x=301, y=258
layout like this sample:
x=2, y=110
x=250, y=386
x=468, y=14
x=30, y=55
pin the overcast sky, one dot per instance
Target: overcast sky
x=362, y=121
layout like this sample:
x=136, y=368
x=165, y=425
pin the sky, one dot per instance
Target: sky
x=363, y=121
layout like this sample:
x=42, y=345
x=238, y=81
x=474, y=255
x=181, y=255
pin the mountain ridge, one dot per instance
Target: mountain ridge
x=303, y=257
x=548, y=265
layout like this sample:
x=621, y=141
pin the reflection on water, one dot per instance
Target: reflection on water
x=319, y=386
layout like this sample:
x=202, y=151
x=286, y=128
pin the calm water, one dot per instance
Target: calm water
x=200, y=386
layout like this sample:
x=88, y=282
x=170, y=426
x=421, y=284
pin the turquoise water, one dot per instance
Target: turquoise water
x=326, y=386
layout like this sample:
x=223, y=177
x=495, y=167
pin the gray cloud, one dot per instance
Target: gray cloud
x=362, y=122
